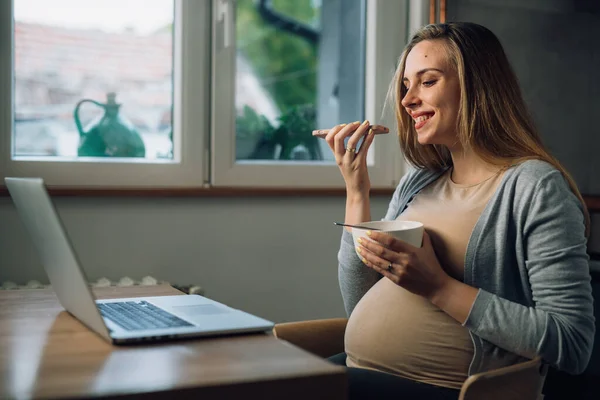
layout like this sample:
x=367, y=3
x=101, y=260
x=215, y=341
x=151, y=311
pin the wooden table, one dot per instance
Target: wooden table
x=46, y=353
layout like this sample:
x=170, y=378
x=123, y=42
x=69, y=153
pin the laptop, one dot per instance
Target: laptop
x=124, y=320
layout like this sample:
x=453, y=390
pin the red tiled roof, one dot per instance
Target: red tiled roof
x=92, y=53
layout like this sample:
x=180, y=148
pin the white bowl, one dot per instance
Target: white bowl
x=410, y=232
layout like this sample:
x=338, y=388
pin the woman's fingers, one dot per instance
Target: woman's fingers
x=338, y=141
x=382, y=260
x=331, y=135
x=375, y=252
x=392, y=243
x=337, y=135
x=355, y=138
x=365, y=145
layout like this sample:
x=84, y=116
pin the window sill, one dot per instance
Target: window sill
x=202, y=192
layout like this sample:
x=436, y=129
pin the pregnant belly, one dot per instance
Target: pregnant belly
x=395, y=331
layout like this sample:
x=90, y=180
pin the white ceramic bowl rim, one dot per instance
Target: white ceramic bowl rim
x=400, y=225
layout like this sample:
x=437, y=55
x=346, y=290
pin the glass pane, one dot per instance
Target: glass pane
x=292, y=75
x=93, y=78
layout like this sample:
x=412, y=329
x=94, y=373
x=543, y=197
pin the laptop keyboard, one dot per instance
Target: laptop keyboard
x=140, y=315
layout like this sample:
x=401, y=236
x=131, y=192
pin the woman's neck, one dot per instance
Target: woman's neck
x=470, y=169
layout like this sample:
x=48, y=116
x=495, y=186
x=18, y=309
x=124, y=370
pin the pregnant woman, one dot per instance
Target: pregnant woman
x=502, y=275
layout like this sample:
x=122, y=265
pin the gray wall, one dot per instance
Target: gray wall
x=276, y=257
x=553, y=47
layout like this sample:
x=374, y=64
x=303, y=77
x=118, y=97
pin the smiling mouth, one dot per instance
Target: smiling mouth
x=421, y=120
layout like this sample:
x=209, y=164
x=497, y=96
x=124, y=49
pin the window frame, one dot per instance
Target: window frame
x=386, y=35
x=205, y=160
x=190, y=117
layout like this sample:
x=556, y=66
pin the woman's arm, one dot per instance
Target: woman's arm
x=355, y=278
x=358, y=209
x=560, y=326
x=455, y=299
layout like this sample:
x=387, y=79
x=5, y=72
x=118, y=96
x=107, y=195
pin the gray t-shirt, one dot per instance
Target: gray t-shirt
x=527, y=255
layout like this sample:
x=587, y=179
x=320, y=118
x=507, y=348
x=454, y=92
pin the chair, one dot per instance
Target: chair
x=325, y=338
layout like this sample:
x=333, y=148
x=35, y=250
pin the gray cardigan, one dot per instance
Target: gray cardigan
x=527, y=256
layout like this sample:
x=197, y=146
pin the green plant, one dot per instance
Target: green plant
x=292, y=135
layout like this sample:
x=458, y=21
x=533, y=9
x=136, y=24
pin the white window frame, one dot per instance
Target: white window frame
x=190, y=117
x=386, y=33
x=204, y=120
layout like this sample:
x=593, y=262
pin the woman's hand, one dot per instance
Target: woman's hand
x=352, y=163
x=415, y=269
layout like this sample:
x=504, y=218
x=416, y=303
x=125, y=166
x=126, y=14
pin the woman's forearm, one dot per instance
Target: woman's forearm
x=456, y=299
x=358, y=209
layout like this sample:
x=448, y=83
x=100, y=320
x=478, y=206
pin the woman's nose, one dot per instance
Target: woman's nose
x=410, y=99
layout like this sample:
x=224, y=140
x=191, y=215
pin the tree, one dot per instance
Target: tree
x=286, y=63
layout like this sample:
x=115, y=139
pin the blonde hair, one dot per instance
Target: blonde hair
x=493, y=119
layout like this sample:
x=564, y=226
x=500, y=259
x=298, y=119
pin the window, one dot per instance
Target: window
x=292, y=67
x=91, y=82
x=181, y=93
x=129, y=57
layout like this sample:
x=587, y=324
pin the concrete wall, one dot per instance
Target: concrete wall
x=276, y=257
x=553, y=47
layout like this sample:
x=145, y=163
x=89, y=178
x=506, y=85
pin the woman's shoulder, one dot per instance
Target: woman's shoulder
x=532, y=174
x=535, y=169
x=537, y=180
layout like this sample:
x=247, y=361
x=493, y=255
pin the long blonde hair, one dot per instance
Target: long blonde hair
x=493, y=118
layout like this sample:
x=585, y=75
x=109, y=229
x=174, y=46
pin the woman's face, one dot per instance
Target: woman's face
x=433, y=93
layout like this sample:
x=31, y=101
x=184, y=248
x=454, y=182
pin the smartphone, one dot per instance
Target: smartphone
x=377, y=129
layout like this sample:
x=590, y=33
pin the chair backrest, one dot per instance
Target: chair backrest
x=324, y=337
x=523, y=381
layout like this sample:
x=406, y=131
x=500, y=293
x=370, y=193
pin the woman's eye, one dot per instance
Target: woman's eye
x=429, y=83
